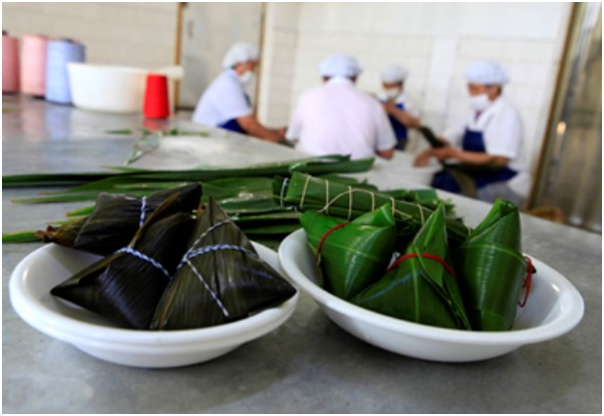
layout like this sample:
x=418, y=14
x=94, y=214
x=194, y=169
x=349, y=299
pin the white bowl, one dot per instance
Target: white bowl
x=112, y=88
x=554, y=308
x=50, y=265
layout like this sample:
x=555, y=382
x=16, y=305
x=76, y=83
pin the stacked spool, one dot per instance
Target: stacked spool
x=58, y=54
x=33, y=65
x=10, y=64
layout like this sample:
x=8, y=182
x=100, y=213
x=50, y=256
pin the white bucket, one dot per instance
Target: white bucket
x=114, y=89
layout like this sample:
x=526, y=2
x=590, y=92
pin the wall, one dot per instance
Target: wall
x=278, y=62
x=436, y=42
x=208, y=31
x=132, y=34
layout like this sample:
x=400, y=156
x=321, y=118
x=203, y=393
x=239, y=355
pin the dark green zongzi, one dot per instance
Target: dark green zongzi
x=220, y=279
x=126, y=286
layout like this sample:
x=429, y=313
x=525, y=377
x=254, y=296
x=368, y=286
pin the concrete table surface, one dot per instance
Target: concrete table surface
x=308, y=364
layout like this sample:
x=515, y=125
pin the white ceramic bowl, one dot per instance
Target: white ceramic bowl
x=112, y=88
x=554, y=308
x=50, y=265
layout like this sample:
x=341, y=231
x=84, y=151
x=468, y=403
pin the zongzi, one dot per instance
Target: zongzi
x=492, y=269
x=126, y=286
x=220, y=279
x=420, y=286
x=351, y=255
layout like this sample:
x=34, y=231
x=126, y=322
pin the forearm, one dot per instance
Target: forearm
x=254, y=128
x=478, y=158
x=405, y=118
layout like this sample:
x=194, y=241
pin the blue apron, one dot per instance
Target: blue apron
x=473, y=141
x=400, y=130
x=233, y=124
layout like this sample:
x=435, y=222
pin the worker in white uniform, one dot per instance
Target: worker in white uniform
x=225, y=103
x=400, y=111
x=336, y=118
x=490, y=136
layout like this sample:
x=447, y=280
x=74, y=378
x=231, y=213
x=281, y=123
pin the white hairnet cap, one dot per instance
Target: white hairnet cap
x=240, y=53
x=394, y=73
x=340, y=65
x=486, y=72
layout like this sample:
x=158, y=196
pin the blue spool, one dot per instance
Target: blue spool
x=58, y=54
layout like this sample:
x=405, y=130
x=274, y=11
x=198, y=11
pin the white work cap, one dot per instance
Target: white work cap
x=340, y=65
x=394, y=73
x=240, y=53
x=486, y=73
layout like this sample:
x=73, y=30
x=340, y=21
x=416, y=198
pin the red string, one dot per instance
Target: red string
x=528, y=281
x=425, y=255
x=331, y=230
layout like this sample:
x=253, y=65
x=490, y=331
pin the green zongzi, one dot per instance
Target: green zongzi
x=420, y=286
x=492, y=269
x=353, y=254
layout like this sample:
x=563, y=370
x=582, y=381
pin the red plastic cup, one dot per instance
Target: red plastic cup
x=157, y=103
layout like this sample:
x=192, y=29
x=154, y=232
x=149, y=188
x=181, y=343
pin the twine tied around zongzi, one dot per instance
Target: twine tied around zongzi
x=528, y=281
x=322, y=241
x=193, y=252
x=141, y=220
x=434, y=257
x=144, y=257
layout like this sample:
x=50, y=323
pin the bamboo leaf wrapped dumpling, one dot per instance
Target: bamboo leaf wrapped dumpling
x=492, y=269
x=126, y=286
x=356, y=253
x=117, y=217
x=420, y=286
x=220, y=279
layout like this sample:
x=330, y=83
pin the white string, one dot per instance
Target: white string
x=349, y=202
x=304, y=191
x=421, y=213
x=282, y=195
x=142, y=256
x=327, y=196
x=224, y=310
x=141, y=220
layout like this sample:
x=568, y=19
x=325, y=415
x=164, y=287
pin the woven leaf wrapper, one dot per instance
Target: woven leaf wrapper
x=220, y=279
x=355, y=255
x=421, y=288
x=116, y=218
x=492, y=269
x=306, y=192
x=125, y=288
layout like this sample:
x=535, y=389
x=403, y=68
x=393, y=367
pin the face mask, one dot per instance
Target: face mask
x=479, y=102
x=246, y=77
x=392, y=93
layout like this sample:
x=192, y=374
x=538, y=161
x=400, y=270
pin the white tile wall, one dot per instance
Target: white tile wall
x=435, y=41
x=131, y=34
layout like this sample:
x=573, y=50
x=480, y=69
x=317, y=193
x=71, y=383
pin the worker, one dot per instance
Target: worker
x=225, y=103
x=489, y=138
x=400, y=111
x=336, y=118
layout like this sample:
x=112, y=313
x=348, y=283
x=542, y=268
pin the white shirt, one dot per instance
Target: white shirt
x=336, y=118
x=503, y=134
x=222, y=101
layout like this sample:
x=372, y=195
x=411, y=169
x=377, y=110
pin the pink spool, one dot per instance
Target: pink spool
x=33, y=65
x=10, y=64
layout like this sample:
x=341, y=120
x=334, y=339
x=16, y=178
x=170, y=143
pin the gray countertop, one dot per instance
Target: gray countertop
x=308, y=364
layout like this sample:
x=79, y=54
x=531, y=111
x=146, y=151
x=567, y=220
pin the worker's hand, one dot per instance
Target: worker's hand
x=389, y=106
x=281, y=132
x=444, y=153
x=423, y=158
